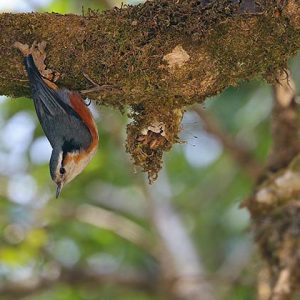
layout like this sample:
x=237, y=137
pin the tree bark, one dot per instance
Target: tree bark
x=166, y=53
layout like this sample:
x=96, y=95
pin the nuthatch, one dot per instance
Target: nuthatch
x=67, y=123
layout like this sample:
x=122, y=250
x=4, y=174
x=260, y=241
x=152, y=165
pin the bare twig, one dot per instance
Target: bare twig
x=286, y=142
x=118, y=224
x=239, y=152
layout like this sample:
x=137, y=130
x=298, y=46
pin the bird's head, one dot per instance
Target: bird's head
x=64, y=167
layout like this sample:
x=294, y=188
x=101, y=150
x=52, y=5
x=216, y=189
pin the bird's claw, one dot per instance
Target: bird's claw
x=87, y=102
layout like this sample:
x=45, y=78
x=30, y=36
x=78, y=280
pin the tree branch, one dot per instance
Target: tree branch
x=78, y=277
x=159, y=56
x=112, y=221
x=159, y=53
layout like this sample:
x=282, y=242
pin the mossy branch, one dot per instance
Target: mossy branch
x=158, y=57
x=162, y=52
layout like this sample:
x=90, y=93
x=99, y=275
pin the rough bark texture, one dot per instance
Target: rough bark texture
x=158, y=57
x=274, y=205
x=218, y=44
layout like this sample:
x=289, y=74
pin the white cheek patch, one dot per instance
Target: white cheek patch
x=57, y=173
x=75, y=167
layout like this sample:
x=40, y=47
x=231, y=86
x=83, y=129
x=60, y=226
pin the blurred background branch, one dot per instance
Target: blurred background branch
x=237, y=150
x=285, y=122
x=117, y=224
x=182, y=270
x=78, y=277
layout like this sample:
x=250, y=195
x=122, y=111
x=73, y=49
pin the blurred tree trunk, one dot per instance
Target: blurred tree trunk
x=274, y=205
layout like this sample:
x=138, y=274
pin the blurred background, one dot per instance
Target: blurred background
x=112, y=236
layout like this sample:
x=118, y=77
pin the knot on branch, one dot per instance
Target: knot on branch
x=277, y=190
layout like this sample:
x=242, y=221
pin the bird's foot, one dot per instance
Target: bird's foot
x=37, y=50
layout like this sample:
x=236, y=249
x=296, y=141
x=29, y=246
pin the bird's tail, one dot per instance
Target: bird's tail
x=34, y=75
x=44, y=95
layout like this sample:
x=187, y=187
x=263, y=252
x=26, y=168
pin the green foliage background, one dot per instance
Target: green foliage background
x=39, y=234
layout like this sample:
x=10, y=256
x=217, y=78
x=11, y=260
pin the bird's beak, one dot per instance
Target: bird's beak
x=58, y=189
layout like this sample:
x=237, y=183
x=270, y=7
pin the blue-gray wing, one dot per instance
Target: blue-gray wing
x=61, y=124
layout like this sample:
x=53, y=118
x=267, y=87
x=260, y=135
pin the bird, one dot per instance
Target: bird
x=67, y=123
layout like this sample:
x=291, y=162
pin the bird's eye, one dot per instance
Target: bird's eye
x=62, y=170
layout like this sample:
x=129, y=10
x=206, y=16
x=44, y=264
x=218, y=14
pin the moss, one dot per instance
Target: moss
x=226, y=42
x=148, y=138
